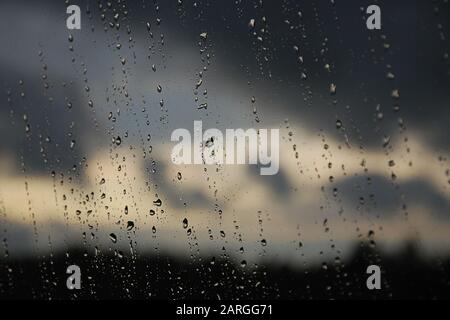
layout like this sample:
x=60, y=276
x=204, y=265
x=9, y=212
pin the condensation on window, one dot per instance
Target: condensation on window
x=87, y=175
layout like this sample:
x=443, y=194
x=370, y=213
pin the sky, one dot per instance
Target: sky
x=368, y=162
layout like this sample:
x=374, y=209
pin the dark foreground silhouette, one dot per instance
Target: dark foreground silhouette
x=104, y=276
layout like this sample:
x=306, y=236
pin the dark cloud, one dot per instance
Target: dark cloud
x=385, y=197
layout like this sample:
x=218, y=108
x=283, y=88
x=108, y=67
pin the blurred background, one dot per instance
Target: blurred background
x=86, y=176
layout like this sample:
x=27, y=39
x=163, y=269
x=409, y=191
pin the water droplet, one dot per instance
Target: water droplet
x=130, y=225
x=380, y=115
x=198, y=84
x=113, y=237
x=179, y=176
x=386, y=141
x=209, y=143
x=185, y=223
x=157, y=202
x=395, y=94
x=332, y=88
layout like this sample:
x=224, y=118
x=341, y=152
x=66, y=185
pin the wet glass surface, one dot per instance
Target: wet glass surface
x=87, y=179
